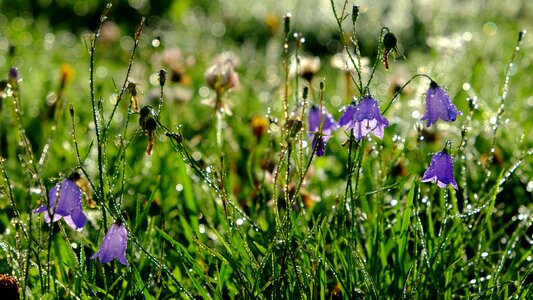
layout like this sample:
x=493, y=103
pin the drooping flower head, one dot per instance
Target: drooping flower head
x=363, y=118
x=320, y=137
x=439, y=105
x=114, y=245
x=307, y=66
x=221, y=76
x=68, y=207
x=440, y=170
x=390, y=43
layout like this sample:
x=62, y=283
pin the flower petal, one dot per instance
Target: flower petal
x=440, y=170
x=114, y=245
x=366, y=118
x=439, y=106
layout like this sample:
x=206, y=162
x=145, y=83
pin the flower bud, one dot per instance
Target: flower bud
x=221, y=77
x=287, y=23
x=355, y=13
x=390, y=41
x=162, y=77
x=521, y=35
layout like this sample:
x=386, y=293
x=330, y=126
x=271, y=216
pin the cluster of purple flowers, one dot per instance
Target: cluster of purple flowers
x=364, y=117
x=69, y=207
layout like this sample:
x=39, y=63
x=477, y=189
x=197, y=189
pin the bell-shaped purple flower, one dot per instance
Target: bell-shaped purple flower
x=439, y=105
x=114, y=245
x=320, y=138
x=68, y=207
x=440, y=170
x=363, y=118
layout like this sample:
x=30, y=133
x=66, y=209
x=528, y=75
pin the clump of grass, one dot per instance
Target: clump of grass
x=284, y=208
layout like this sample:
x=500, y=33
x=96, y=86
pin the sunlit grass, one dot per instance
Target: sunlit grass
x=239, y=205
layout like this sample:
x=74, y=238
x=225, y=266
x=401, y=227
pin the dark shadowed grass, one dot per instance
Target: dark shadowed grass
x=240, y=206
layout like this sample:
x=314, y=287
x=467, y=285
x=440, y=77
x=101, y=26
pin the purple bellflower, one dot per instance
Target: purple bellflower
x=439, y=105
x=363, y=118
x=328, y=125
x=440, y=170
x=68, y=207
x=114, y=245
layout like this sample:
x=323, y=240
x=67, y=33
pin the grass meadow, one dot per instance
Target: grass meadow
x=257, y=150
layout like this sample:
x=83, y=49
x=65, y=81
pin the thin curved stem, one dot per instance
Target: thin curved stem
x=401, y=89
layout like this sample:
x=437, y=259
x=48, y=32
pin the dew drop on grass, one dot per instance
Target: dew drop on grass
x=34, y=190
x=484, y=255
x=196, y=155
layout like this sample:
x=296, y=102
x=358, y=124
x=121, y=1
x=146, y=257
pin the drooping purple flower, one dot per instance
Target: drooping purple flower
x=68, y=207
x=363, y=118
x=320, y=138
x=439, y=105
x=114, y=245
x=440, y=170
